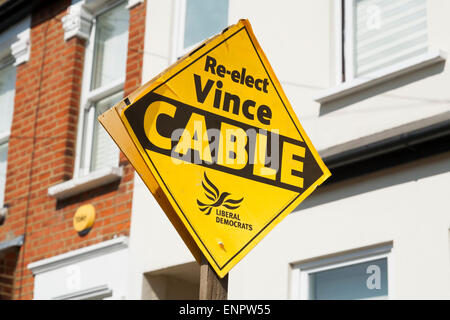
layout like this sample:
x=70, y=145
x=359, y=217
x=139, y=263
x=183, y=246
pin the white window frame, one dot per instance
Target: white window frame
x=89, y=98
x=300, y=272
x=178, y=31
x=14, y=50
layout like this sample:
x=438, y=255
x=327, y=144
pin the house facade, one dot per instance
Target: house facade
x=367, y=79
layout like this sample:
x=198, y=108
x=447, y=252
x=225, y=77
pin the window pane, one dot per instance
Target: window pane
x=388, y=32
x=110, y=48
x=204, y=18
x=104, y=150
x=7, y=89
x=358, y=281
x=3, y=156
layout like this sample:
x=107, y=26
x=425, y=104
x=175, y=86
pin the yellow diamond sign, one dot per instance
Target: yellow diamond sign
x=218, y=144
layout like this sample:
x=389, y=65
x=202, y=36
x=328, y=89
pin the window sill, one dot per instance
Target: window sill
x=359, y=84
x=78, y=185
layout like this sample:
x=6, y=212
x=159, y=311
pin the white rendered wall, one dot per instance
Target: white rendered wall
x=154, y=243
x=407, y=206
x=298, y=38
x=101, y=265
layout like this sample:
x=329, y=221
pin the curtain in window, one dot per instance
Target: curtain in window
x=104, y=150
x=387, y=32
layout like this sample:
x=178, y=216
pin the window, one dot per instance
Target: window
x=7, y=89
x=103, y=81
x=355, y=276
x=198, y=20
x=350, y=282
x=378, y=34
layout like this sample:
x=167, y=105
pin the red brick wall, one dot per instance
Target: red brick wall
x=135, y=48
x=42, y=147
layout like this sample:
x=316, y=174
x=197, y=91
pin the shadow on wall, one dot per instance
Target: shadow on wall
x=180, y=282
x=8, y=262
x=381, y=88
x=409, y=172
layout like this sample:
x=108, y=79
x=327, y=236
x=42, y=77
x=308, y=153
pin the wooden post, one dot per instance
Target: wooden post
x=212, y=287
